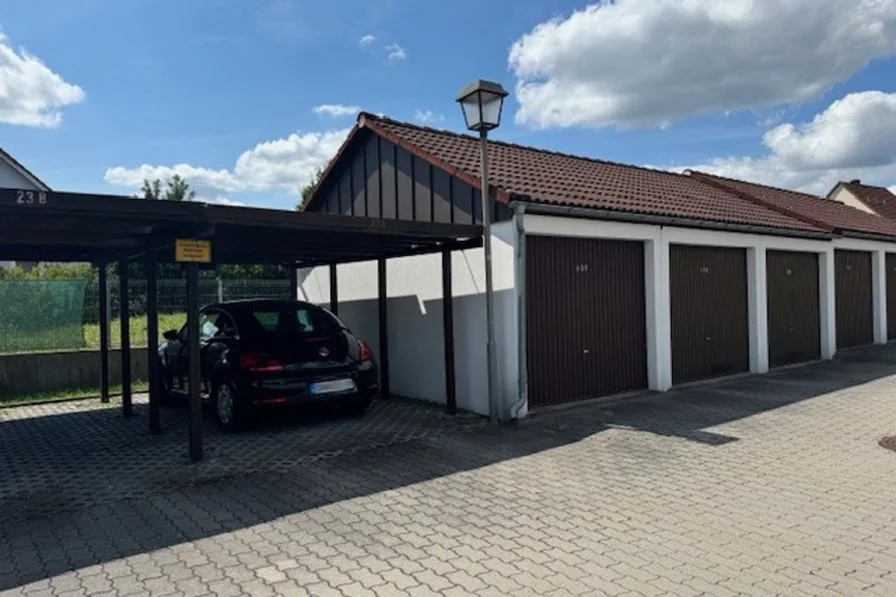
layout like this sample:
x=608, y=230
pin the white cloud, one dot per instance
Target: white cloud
x=219, y=200
x=653, y=62
x=287, y=163
x=396, y=53
x=855, y=137
x=367, y=40
x=336, y=110
x=30, y=93
x=199, y=178
x=428, y=116
x=856, y=131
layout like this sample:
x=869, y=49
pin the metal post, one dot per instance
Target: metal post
x=104, y=332
x=334, y=290
x=448, y=334
x=385, y=390
x=220, y=290
x=494, y=410
x=124, y=318
x=152, y=340
x=193, y=352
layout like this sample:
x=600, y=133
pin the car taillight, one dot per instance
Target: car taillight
x=253, y=362
x=366, y=352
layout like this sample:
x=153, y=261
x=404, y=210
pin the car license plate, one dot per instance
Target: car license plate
x=332, y=387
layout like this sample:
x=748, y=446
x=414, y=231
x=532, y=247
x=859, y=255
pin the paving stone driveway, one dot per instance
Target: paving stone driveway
x=770, y=485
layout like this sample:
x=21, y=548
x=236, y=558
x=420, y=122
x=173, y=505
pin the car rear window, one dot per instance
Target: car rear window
x=303, y=320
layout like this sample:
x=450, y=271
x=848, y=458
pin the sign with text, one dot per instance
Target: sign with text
x=192, y=251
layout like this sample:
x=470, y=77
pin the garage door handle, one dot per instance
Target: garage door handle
x=708, y=338
x=586, y=351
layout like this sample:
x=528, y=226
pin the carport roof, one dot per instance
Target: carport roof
x=58, y=226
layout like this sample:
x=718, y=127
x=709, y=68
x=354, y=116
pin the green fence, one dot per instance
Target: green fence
x=41, y=315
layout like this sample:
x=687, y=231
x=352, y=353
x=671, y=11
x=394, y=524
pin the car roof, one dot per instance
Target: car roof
x=268, y=303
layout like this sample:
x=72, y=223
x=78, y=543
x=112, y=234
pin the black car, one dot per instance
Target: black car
x=263, y=352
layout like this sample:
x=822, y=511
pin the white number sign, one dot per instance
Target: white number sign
x=31, y=198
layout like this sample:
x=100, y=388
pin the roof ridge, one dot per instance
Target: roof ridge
x=764, y=186
x=719, y=182
x=540, y=150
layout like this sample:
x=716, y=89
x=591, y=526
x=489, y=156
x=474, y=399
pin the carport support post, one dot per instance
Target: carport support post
x=193, y=351
x=294, y=280
x=124, y=317
x=334, y=289
x=104, y=331
x=385, y=390
x=448, y=334
x=879, y=293
x=152, y=339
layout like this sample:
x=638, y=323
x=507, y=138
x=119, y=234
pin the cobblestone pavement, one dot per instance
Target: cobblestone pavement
x=769, y=485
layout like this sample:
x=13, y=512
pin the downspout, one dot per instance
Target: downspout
x=519, y=209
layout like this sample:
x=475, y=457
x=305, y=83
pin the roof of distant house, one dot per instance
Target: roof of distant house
x=824, y=213
x=547, y=177
x=880, y=199
x=18, y=167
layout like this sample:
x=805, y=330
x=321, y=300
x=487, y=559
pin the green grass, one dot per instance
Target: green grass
x=172, y=321
x=62, y=395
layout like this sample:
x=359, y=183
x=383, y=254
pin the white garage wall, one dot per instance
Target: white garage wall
x=657, y=240
x=416, y=349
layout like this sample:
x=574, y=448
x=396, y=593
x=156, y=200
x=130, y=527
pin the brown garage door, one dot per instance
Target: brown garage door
x=855, y=320
x=708, y=289
x=794, y=326
x=585, y=313
x=891, y=296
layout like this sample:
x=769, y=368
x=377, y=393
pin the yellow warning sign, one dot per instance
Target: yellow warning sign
x=192, y=251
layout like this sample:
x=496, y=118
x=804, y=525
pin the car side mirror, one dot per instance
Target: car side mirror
x=170, y=335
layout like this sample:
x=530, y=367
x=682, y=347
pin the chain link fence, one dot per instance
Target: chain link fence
x=41, y=315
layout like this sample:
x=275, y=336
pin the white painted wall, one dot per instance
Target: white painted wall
x=416, y=349
x=415, y=303
x=844, y=195
x=657, y=240
x=10, y=178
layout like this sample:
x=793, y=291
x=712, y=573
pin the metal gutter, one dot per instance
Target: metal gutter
x=618, y=216
x=519, y=209
x=867, y=236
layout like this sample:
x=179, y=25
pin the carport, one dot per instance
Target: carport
x=105, y=229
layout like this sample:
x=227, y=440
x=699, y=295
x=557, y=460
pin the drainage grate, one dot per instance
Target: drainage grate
x=888, y=442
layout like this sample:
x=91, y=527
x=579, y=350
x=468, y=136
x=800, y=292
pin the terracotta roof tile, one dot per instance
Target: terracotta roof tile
x=808, y=207
x=879, y=199
x=554, y=178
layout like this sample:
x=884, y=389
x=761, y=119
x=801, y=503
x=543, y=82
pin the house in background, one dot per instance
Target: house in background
x=608, y=278
x=875, y=200
x=13, y=175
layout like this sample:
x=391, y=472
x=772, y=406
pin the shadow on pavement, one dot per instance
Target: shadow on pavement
x=83, y=487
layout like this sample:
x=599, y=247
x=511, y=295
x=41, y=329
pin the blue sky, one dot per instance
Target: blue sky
x=192, y=86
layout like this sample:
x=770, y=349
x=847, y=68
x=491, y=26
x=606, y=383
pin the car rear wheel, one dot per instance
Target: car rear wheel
x=226, y=408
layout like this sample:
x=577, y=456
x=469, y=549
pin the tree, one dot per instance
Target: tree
x=309, y=188
x=152, y=190
x=176, y=189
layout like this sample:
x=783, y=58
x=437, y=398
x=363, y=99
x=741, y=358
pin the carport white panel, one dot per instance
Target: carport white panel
x=416, y=349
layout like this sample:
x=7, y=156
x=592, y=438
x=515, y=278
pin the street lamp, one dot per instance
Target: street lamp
x=482, y=103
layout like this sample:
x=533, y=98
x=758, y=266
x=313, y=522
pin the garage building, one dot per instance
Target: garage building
x=608, y=278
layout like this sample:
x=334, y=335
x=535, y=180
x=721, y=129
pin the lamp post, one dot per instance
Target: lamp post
x=482, y=103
